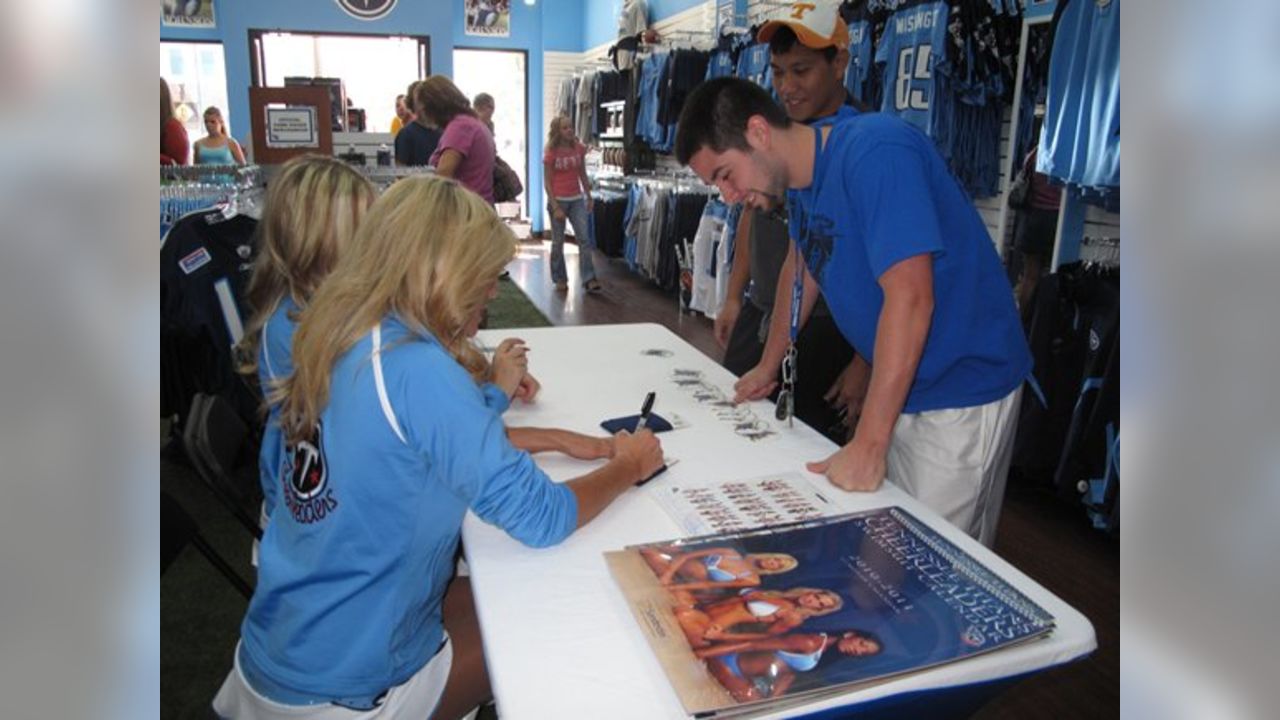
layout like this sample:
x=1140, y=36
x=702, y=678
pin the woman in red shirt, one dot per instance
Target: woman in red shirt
x=568, y=197
x=174, y=146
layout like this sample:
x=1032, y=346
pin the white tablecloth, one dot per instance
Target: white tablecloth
x=559, y=639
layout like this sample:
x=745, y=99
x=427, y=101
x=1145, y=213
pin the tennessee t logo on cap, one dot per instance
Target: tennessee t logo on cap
x=817, y=25
x=799, y=9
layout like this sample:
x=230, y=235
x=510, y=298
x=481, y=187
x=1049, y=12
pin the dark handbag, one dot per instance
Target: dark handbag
x=506, y=183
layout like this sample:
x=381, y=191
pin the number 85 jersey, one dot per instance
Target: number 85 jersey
x=913, y=51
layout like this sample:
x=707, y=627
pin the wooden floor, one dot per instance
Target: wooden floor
x=1044, y=538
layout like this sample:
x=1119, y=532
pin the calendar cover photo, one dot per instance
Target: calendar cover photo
x=752, y=621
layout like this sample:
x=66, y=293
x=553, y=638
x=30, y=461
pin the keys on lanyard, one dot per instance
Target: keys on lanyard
x=787, y=398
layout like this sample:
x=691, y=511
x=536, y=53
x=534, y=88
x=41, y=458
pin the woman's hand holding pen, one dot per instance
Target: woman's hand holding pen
x=641, y=451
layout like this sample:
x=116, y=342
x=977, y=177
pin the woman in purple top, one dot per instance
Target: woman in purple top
x=466, y=150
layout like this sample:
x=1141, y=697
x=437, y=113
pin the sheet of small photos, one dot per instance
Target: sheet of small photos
x=703, y=509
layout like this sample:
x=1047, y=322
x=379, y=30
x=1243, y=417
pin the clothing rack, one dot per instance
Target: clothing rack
x=186, y=189
x=1100, y=251
x=681, y=179
x=245, y=175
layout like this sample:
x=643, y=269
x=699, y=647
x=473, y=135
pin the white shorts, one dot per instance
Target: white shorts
x=416, y=697
x=957, y=461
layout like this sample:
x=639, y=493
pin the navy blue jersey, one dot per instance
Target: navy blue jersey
x=204, y=269
x=913, y=52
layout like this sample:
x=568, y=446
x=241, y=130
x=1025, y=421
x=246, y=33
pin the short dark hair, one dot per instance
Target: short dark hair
x=715, y=116
x=784, y=38
x=483, y=99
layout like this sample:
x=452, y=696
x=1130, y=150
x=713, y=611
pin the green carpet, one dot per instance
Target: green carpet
x=512, y=309
x=200, y=613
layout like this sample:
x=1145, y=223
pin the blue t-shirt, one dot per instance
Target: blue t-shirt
x=360, y=546
x=882, y=194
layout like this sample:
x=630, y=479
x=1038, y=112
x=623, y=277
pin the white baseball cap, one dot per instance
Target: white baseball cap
x=817, y=25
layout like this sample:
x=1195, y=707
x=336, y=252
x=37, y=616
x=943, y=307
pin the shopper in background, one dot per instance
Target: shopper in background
x=357, y=613
x=483, y=104
x=217, y=148
x=403, y=117
x=417, y=139
x=466, y=150
x=175, y=148
x=568, y=196
x=1037, y=226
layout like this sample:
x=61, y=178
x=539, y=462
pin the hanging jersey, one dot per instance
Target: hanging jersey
x=1080, y=142
x=913, y=52
x=855, y=77
x=753, y=65
x=205, y=261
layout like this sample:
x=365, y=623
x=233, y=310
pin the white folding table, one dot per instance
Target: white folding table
x=559, y=638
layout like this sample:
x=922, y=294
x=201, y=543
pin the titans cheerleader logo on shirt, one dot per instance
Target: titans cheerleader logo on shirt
x=305, y=476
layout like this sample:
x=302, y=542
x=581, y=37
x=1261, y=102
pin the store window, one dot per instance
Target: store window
x=197, y=77
x=373, y=68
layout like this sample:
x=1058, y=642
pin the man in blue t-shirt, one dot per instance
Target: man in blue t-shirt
x=912, y=280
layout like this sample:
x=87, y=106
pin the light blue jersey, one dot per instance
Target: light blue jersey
x=913, y=51
x=855, y=77
x=1080, y=141
x=881, y=194
x=361, y=541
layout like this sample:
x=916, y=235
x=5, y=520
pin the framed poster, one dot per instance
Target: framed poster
x=292, y=127
x=187, y=13
x=489, y=18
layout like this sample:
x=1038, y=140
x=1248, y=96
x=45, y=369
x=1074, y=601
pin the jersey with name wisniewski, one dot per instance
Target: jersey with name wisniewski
x=881, y=194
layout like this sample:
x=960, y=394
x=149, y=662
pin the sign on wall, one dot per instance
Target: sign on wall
x=187, y=13
x=490, y=18
x=367, y=9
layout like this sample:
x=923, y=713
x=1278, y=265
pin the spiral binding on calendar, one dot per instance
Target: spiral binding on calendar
x=974, y=570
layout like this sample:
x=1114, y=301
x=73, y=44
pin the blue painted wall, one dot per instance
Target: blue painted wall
x=562, y=24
